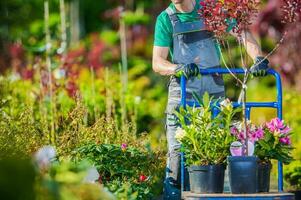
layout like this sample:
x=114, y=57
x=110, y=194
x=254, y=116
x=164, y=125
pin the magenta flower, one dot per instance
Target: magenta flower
x=234, y=131
x=285, y=130
x=285, y=140
x=274, y=124
x=277, y=125
x=123, y=146
x=259, y=133
x=241, y=136
x=253, y=137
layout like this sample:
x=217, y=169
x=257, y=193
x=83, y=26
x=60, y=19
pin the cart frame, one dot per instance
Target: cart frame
x=249, y=105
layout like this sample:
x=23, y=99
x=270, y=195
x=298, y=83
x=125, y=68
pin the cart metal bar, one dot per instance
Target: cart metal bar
x=236, y=104
x=277, y=105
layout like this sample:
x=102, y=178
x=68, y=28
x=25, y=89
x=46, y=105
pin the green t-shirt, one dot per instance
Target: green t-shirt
x=164, y=31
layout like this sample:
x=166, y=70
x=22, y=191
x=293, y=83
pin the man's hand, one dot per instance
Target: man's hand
x=188, y=70
x=260, y=67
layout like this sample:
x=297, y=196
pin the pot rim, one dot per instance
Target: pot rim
x=206, y=167
x=242, y=158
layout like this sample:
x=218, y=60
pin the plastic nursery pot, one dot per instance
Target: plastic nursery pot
x=264, y=171
x=243, y=174
x=207, y=179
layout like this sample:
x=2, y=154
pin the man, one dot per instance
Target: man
x=180, y=33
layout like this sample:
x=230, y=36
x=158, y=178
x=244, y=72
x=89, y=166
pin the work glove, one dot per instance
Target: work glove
x=188, y=70
x=260, y=67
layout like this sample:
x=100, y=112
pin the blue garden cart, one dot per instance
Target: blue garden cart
x=280, y=195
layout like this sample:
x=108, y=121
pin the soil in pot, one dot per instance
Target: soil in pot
x=207, y=179
x=243, y=174
x=264, y=171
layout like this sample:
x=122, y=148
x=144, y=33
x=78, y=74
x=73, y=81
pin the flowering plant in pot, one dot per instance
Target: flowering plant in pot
x=275, y=144
x=242, y=164
x=205, y=141
x=271, y=141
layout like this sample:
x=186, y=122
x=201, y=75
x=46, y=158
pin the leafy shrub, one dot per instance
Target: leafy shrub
x=292, y=174
x=275, y=143
x=120, y=165
x=64, y=180
x=205, y=140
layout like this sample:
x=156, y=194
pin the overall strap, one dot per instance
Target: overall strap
x=172, y=16
x=185, y=27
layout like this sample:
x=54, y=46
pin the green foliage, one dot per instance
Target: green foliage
x=292, y=174
x=205, y=140
x=109, y=36
x=17, y=177
x=271, y=148
x=64, y=180
x=137, y=17
x=119, y=165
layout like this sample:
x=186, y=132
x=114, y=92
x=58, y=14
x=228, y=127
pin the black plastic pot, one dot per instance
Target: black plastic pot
x=297, y=194
x=264, y=171
x=207, y=179
x=243, y=174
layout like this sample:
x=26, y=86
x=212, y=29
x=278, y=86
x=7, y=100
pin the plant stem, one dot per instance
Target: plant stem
x=122, y=101
x=93, y=93
x=48, y=64
x=245, y=120
x=123, y=68
x=122, y=32
x=108, y=95
x=225, y=64
x=63, y=29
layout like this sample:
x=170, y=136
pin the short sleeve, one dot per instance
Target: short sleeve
x=163, y=31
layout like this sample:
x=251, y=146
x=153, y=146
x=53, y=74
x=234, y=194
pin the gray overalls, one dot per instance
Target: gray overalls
x=191, y=44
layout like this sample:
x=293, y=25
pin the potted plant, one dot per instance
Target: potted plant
x=205, y=141
x=271, y=141
x=275, y=143
x=242, y=163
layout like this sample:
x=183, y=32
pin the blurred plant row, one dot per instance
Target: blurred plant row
x=88, y=98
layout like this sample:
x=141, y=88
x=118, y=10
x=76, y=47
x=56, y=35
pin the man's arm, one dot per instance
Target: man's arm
x=251, y=45
x=160, y=63
x=261, y=64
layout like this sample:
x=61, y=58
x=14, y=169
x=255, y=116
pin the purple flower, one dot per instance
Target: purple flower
x=259, y=133
x=285, y=140
x=277, y=125
x=234, y=131
x=285, y=130
x=274, y=124
x=123, y=146
x=253, y=137
x=241, y=136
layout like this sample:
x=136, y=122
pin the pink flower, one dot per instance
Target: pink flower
x=123, y=146
x=234, y=131
x=274, y=124
x=277, y=125
x=285, y=140
x=259, y=133
x=253, y=137
x=285, y=130
x=241, y=136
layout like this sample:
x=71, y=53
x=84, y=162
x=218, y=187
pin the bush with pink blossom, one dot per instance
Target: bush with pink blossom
x=276, y=142
x=272, y=139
